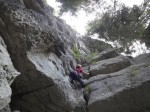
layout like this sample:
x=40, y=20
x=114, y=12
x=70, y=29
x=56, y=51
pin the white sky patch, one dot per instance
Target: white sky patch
x=139, y=48
x=55, y=5
x=78, y=22
x=130, y=3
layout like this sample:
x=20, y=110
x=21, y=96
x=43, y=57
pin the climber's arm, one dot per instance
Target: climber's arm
x=86, y=74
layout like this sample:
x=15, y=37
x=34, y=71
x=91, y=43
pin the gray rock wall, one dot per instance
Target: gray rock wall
x=40, y=48
x=7, y=75
x=110, y=65
x=39, y=45
x=125, y=91
x=106, y=54
x=118, y=84
x=143, y=58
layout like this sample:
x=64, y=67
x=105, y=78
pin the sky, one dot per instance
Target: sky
x=80, y=21
x=131, y=2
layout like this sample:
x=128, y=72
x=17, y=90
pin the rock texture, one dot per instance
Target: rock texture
x=125, y=91
x=95, y=45
x=118, y=84
x=40, y=48
x=110, y=65
x=143, y=58
x=7, y=75
x=6, y=109
x=106, y=54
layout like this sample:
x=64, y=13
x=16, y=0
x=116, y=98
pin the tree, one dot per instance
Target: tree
x=125, y=26
x=72, y=5
x=116, y=22
x=75, y=5
x=146, y=36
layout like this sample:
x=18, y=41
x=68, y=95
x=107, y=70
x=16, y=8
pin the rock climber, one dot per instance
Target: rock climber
x=77, y=75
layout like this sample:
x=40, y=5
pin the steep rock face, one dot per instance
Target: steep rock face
x=120, y=85
x=95, y=45
x=40, y=48
x=125, y=91
x=106, y=54
x=7, y=75
x=110, y=65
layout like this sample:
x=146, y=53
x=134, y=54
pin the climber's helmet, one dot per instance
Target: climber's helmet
x=78, y=66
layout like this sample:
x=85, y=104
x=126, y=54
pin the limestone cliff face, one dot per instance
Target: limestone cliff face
x=7, y=75
x=40, y=48
x=119, y=84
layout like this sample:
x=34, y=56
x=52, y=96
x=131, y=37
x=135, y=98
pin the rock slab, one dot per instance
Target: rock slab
x=125, y=91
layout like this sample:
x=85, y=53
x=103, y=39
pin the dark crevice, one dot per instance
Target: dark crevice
x=20, y=97
x=86, y=98
x=21, y=94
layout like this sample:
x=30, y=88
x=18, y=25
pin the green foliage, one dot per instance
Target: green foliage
x=75, y=5
x=134, y=72
x=99, y=25
x=87, y=90
x=76, y=52
x=147, y=64
x=146, y=36
x=125, y=27
x=146, y=17
x=72, y=5
x=89, y=58
x=116, y=27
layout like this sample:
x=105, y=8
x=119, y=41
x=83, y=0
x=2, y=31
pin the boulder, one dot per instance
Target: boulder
x=143, y=58
x=106, y=54
x=125, y=91
x=110, y=65
x=44, y=87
